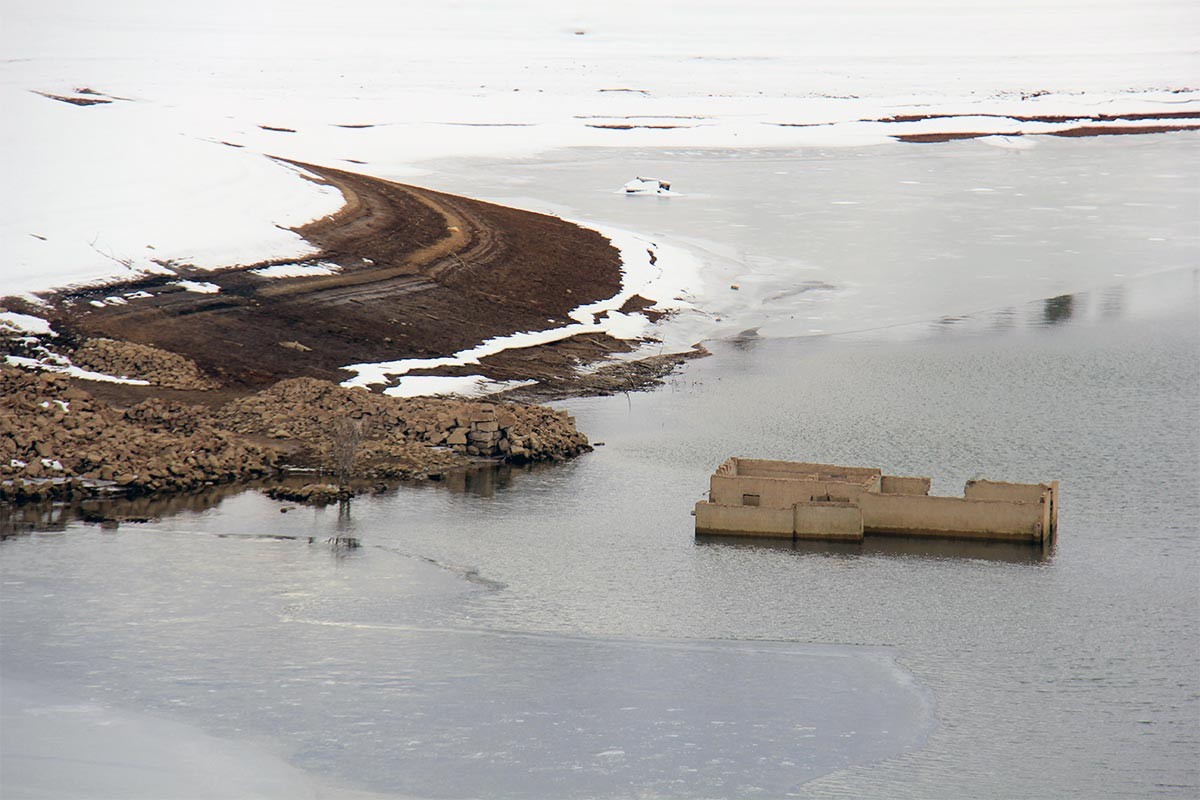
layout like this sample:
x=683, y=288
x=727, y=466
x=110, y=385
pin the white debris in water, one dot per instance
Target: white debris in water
x=648, y=186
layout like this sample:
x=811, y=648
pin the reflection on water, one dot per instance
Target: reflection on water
x=1058, y=309
x=112, y=511
x=914, y=547
x=1112, y=302
x=44, y=516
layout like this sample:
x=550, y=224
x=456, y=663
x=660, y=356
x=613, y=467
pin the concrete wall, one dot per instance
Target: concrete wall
x=837, y=521
x=747, y=520
x=824, y=501
x=764, y=468
x=728, y=467
x=895, y=484
x=1053, y=507
x=825, y=521
x=1021, y=492
x=998, y=490
x=952, y=516
x=780, y=492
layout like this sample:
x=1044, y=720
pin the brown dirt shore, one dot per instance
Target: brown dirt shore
x=421, y=274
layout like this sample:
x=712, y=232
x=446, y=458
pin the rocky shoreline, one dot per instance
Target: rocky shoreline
x=59, y=441
x=149, y=387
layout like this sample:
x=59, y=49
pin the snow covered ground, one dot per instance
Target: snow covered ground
x=165, y=163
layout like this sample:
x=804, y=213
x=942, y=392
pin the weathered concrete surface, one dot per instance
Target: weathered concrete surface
x=747, y=496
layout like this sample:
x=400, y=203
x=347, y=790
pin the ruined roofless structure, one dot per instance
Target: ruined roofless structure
x=792, y=500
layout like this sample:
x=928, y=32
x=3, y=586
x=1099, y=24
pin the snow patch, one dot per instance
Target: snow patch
x=63, y=366
x=298, y=270
x=463, y=385
x=25, y=323
x=202, y=287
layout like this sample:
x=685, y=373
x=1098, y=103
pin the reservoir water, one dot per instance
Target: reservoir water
x=560, y=632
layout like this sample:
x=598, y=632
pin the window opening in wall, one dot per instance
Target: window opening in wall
x=750, y=499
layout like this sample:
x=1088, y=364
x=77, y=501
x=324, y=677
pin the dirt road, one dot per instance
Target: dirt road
x=422, y=274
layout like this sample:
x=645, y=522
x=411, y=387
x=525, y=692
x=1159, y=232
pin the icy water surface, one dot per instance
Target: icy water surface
x=560, y=632
x=818, y=241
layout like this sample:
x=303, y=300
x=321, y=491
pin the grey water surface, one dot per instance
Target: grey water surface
x=560, y=632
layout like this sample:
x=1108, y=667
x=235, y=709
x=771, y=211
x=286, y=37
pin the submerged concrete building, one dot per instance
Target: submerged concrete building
x=794, y=500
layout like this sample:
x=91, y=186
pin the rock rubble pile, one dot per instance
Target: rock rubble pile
x=129, y=360
x=56, y=439
x=304, y=408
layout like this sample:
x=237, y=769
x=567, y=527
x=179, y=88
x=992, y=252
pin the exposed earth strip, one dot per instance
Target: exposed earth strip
x=419, y=274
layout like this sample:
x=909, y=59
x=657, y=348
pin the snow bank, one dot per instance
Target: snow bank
x=296, y=270
x=63, y=365
x=24, y=323
x=463, y=385
x=202, y=287
x=118, y=190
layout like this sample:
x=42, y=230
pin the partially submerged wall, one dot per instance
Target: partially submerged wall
x=951, y=516
x=828, y=521
x=824, y=521
x=1046, y=493
x=774, y=523
x=782, y=484
x=758, y=497
x=735, y=490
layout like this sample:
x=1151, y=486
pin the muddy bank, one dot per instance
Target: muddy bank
x=229, y=376
x=1083, y=130
x=57, y=440
x=1093, y=125
x=401, y=272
